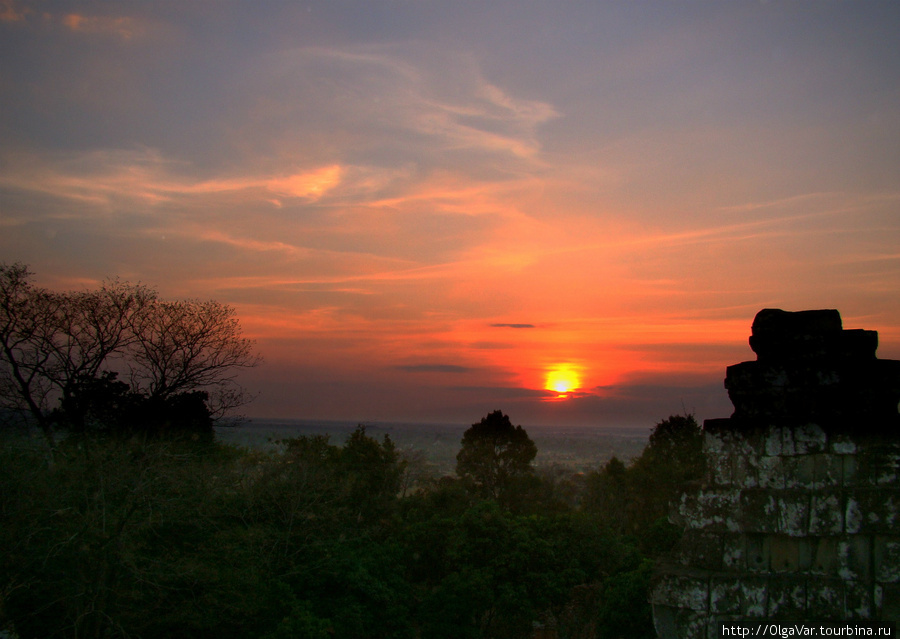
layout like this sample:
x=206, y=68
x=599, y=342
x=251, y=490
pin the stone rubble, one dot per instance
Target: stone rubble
x=799, y=514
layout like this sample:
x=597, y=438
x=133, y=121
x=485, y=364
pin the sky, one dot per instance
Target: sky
x=427, y=210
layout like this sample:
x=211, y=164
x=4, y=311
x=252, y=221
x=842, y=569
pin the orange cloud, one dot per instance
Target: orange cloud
x=99, y=176
x=12, y=13
x=312, y=185
x=124, y=28
x=248, y=243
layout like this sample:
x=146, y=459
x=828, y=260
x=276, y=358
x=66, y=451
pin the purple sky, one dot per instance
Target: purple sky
x=428, y=210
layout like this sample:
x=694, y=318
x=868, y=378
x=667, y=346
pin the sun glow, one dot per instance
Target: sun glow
x=563, y=379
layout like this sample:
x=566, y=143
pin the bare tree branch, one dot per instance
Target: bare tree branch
x=50, y=343
x=190, y=345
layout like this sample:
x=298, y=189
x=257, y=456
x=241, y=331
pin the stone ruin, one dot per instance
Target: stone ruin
x=798, y=518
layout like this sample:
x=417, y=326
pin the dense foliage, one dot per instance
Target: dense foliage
x=635, y=500
x=495, y=456
x=157, y=537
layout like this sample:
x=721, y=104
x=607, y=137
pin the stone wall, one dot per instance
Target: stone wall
x=798, y=518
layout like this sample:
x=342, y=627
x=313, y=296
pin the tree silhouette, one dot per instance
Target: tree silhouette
x=494, y=454
x=632, y=499
x=63, y=351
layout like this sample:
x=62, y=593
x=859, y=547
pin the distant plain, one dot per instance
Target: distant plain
x=573, y=449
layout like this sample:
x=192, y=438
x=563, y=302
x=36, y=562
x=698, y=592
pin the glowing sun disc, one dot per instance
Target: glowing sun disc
x=562, y=379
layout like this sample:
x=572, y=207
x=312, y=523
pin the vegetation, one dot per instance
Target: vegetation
x=494, y=456
x=148, y=537
x=61, y=355
x=635, y=500
x=125, y=518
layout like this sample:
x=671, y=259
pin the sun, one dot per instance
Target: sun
x=563, y=379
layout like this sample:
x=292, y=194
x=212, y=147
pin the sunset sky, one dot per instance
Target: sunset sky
x=426, y=210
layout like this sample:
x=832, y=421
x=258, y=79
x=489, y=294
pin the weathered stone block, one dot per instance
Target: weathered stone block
x=890, y=603
x=664, y=621
x=805, y=372
x=777, y=335
x=799, y=472
x=854, y=558
x=745, y=471
x=758, y=511
x=805, y=440
x=771, y=472
x=711, y=510
x=694, y=626
x=826, y=513
x=824, y=556
x=700, y=549
x=858, y=600
x=879, y=466
x=716, y=441
x=719, y=469
x=733, y=552
x=842, y=444
x=754, y=597
x=828, y=471
x=757, y=552
x=801, y=518
x=714, y=625
x=824, y=598
x=679, y=509
x=793, y=513
x=849, y=470
x=672, y=623
x=879, y=510
x=789, y=554
x=725, y=595
x=719, y=437
x=787, y=597
x=853, y=514
x=773, y=442
x=886, y=559
x=681, y=591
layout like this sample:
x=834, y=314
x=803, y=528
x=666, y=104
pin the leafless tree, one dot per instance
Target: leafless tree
x=25, y=314
x=190, y=345
x=52, y=341
x=91, y=329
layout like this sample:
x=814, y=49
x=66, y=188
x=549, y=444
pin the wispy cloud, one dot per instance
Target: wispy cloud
x=103, y=175
x=779, y=203
x=507, y=392
x=122, y=27
x=432, y=193
x=413, y=99
x=434, y=368
x=248, y=244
